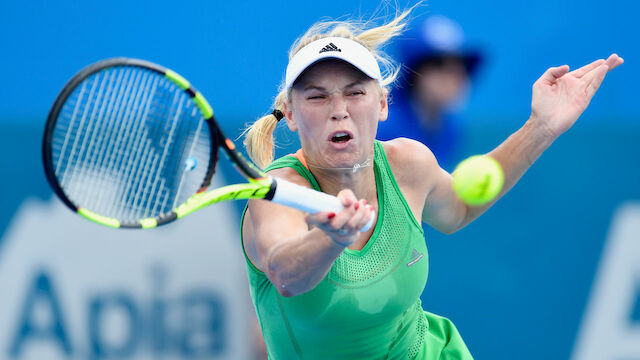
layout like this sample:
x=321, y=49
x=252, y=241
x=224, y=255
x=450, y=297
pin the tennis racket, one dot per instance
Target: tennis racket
x=130, y=144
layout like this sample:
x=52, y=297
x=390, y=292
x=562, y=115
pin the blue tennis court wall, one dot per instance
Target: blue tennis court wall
x=549, y=272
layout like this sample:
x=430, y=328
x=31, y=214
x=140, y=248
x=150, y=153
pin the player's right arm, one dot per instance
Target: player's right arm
x=281, y=242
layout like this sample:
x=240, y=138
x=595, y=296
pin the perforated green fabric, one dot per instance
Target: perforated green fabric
x=368, y=306
x=382, y=253
x=421, y=330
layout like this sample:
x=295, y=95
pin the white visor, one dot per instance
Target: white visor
x=332, y=48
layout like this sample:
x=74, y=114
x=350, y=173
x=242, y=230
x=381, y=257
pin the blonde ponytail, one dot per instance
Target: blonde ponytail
x=259, y=136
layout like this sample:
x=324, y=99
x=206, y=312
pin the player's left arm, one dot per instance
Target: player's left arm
x=418, y=174
x=559, y=98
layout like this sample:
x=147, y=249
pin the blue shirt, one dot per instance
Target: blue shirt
x=443, y=141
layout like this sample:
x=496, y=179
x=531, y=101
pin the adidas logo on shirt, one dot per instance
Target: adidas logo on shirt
x=415, y=257
x=330, y=47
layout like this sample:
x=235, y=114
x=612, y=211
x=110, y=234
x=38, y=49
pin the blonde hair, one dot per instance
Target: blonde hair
x=259, y=139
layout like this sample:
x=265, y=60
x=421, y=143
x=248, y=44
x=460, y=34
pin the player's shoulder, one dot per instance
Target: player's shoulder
x=407, y=152
x=411, y=162
x=290, y=174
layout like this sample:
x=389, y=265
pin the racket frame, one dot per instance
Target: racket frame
x=260, y=186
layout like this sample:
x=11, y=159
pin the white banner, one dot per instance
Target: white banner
x=72, y=289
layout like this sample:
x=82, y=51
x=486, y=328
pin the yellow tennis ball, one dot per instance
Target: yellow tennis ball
x=478, y=179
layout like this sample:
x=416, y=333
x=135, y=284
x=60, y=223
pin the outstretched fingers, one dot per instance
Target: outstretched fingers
x=594, y=78
x=585, y=69
x=554, y=73
x=612, y=62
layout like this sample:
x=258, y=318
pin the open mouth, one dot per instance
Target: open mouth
x=340, y=137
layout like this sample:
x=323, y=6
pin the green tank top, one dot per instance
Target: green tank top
x=368, y=306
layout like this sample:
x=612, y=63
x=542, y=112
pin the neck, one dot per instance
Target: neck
x=362, y=182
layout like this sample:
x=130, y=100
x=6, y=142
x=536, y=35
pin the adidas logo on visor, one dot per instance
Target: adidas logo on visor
x=330, y=47
x=345, y=49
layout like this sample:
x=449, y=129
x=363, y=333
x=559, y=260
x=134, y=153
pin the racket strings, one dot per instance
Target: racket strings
x=96, y=142
x=139, y=163
x=92, y=164
x=130, y=144
x=73, y=179
x=113, y=154
x=98, y=162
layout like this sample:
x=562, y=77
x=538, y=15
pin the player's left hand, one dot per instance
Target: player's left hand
x=560, y=96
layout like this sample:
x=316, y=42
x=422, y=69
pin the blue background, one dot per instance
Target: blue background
x=517, y=280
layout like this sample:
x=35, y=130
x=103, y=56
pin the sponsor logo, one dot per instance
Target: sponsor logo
x=330, y=47
x=415, y=257
x=610, y=326
x=84, y=291
x=187, y=325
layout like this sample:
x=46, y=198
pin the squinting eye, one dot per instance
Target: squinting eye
x=358, y=92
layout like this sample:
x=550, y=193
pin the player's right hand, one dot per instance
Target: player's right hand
x=343, y=227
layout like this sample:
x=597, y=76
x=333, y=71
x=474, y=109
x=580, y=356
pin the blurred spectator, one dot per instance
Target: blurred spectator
x=438, y=66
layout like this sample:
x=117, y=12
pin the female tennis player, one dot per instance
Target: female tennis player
x=326, y=287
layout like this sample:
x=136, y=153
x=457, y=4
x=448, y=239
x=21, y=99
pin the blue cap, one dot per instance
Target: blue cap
x=436, y=37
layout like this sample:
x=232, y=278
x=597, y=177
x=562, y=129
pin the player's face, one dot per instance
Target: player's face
x=336, y=109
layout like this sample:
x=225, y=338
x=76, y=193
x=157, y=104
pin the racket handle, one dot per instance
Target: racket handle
x=309, y=200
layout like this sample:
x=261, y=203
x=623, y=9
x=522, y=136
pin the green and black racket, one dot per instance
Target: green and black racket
x=130, y=144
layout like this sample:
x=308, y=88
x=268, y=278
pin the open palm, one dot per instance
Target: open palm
x=560, y=97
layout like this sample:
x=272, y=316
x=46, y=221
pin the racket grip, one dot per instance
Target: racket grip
x=309, y=200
